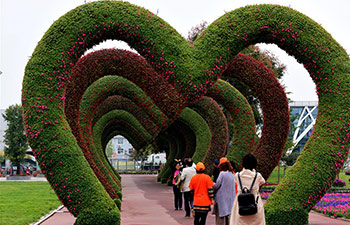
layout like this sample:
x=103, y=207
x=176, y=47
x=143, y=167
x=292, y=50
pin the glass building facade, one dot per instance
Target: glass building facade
x=305, y=113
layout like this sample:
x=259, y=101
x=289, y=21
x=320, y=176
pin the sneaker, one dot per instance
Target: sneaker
x=187, y=216
x=176, y=209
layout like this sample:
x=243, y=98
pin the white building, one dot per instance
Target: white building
x=122, y=147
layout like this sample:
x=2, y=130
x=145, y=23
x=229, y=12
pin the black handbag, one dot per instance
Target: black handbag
x=247, y=205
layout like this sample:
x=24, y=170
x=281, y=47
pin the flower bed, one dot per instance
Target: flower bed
x=339, y=183
x=332, y=204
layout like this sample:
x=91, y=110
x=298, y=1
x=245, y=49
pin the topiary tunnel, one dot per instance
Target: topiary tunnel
x=68, y=117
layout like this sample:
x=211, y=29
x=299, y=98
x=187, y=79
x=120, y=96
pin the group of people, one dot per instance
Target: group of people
x=228, y=191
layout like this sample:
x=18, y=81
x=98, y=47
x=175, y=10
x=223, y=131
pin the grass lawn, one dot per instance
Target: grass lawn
x=274, y=177
x=22, y=203
x=345, y=178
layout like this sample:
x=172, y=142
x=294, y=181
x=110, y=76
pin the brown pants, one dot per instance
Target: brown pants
x=221, y=220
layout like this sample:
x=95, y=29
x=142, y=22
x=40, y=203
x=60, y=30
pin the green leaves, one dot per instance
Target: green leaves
x=14, y=138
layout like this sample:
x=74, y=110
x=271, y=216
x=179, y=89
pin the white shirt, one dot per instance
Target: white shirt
x=187, y=174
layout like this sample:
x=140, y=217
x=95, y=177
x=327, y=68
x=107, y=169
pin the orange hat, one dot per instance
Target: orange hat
x=200, y=166
x=223, y=160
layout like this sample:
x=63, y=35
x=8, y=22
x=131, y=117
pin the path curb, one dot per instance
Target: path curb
x=47, y=216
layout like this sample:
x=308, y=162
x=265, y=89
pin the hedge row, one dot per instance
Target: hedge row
x=213, y=115
x=165, y=173
x=98, y=143
x=137, y=133
x=90, y=100
x=274, y=105
x=189, y=136
x=179, y=141
x=130, y=66
x=196, y=124
x=122, y=103
x=120, y=121
x=241, y=117
x=201, y=131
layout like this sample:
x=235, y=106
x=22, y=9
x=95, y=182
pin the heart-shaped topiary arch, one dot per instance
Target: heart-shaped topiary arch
x=190, y=70
x=275, y=110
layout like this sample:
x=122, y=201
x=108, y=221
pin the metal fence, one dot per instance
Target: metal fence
x=126, y=165
x=131, y=165
x=123, y=165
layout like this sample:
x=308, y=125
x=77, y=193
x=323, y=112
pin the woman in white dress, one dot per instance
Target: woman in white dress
x=247, y=176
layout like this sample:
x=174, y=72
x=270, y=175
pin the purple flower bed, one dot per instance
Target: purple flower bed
x=339, y=183
x=265, y=195
x=332, y=204
x=335, y=204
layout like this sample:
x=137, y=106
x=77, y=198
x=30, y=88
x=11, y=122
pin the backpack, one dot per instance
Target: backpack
x=246, y=200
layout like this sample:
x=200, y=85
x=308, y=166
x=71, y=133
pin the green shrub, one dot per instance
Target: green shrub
x=241, y=117
x=213, y=115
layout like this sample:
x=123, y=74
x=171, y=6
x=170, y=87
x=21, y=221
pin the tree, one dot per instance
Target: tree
x=110, y=149
x=195, y=31
x=142, y=154
x=2, y=160
x=267, y=58
x=15, y=139
x=347, y=163
x=288, y=159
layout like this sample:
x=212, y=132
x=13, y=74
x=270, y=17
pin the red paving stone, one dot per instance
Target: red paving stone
x=320, y=219
x=62, y=217
x=146, y=202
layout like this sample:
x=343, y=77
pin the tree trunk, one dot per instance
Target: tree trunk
x=18, y=167
x=279, y=173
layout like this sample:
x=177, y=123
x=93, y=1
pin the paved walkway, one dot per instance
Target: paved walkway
x=146, y=202
x=60, y=217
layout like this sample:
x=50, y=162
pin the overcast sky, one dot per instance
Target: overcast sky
x=24, y=22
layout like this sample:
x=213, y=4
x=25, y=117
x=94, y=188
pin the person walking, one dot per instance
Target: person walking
x=216, y=170
x=247, y=176
x=186, y=176
x=202, y=185
x=176, y=189
x=225, y=192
